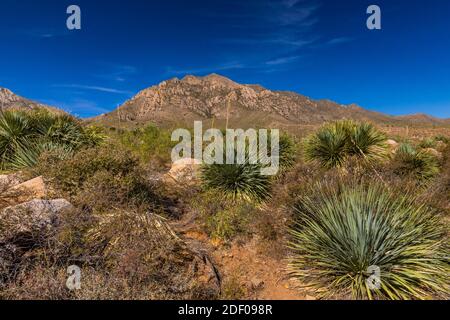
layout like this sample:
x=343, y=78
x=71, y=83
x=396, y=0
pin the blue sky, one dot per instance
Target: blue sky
x=319, y=48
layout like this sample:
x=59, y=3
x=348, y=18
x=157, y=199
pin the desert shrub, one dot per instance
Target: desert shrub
x=24, y=136
x=100, y=178
x=105, y=190
x=419, y=164
x=352, y=228
x=437, y=192
x=94, y=136
x=428, y=143
x=287, y=152
x=237, y=182
x=123, y=255
x=228, y=223
x=142, y=249
x=442, y=138
x=15, y=130
x=334, y=143
x=28, y=154
x=72, y=173
x=151, y=144
x=233, y=289
x=221, y=218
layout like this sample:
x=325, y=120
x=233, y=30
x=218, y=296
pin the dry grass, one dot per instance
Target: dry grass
x=125, y=255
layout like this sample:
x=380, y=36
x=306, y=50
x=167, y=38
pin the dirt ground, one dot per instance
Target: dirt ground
x=247, y=272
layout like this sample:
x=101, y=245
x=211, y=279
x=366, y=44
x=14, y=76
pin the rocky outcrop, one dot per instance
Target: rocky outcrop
x=9, y=180
x=31, y=189
x=217, y=97
x=185, y=172
x=24, y=227
x=32, y=218
x=9, y=100
x=392, y=145
x=14, y=191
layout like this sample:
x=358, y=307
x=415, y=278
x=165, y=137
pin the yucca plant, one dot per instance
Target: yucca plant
x=15, y=131
x=442, y=138
x=428, y=143
x=287, y=152
x=28, y=155
x=408, y=161
x=94, y=136
x=237, y=181
x=366, y=141
x=341, y=238
x=24, y=136
x=65, y=130
x=334, y=143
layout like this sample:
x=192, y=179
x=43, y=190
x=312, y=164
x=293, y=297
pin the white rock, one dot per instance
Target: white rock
x=184, y=171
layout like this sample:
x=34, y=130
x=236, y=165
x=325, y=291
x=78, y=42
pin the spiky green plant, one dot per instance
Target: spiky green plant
x=25, y=135
x=408, y=161
x=94, y=136
x=341, y=237
x=428, y=143
x=287, y=152
x=237, y=181
x=15, y=131
x=442, y=138
x=334, y=143
x=328, y=146
x=366, y=141
x=28, y=155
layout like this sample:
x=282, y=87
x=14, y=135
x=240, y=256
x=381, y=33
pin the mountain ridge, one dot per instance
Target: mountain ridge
x=217, y=97
x=10, y=100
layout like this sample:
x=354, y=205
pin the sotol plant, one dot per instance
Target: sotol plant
x=237, y=182
x=340, y=235
x=24, y=136
x=419, y=164
x=334, y=143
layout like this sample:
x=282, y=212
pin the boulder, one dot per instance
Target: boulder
x=31, y=218
x=9, y=180
x=392, y=145
x=185, y=171
x=256, y=283
x=31, y=189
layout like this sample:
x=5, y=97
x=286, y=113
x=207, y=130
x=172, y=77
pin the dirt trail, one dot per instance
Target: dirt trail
x=263, y=277
x=244, y=267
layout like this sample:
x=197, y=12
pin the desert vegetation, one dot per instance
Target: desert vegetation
x=347, y=197
x=24, y=136
x=344, y=230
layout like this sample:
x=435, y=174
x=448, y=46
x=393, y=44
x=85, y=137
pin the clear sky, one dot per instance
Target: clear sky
x=319, y=48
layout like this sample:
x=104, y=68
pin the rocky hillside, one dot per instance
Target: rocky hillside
x=214, y=96
x=9, y=100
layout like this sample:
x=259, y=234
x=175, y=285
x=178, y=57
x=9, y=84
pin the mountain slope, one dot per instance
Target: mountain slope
x=215, y=97
x=9, y=100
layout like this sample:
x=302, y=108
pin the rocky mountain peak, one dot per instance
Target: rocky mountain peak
x=7, y=96
x=9, y=100
x=217, y=97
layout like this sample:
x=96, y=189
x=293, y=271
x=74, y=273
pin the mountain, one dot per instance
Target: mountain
x=9, y=100
x=215, y=97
